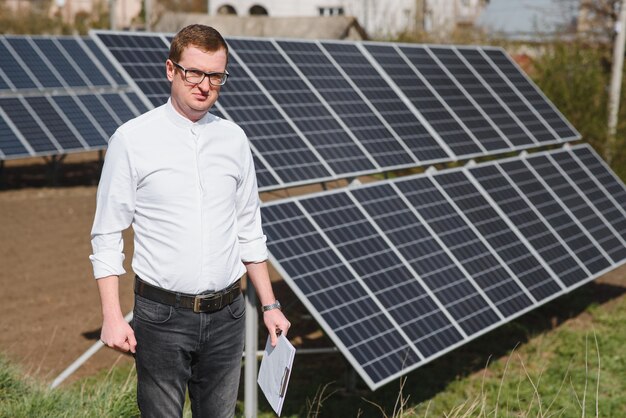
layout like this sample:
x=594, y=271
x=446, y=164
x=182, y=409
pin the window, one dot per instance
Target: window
x=331, y=11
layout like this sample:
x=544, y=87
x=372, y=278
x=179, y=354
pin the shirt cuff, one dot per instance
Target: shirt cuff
x=254, y=251
x=107, y=264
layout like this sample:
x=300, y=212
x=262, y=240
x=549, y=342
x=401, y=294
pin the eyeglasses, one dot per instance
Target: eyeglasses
x=195, y=76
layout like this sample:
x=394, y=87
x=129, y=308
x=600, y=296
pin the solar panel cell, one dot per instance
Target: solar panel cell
x=67, y=70
x=23, y=120
x=81, y=121
x=348, y=104
x=10, y=145
x=592, y=188
x=24, y=49
x=87, y=65
x=532, y=94
x=302, y=106
x=427, y=103
x=19, y=76
x=556, y=215
x=386, y=102
x=54, y=123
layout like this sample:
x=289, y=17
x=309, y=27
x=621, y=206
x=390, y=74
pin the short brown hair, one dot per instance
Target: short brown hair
x=201, y=36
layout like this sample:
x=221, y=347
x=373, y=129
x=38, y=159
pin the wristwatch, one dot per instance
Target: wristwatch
x=275, y=305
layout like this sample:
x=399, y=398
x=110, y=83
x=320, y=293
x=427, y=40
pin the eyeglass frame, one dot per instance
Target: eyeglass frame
x=225, y=75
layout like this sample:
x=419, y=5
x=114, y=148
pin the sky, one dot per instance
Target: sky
x=527, y=16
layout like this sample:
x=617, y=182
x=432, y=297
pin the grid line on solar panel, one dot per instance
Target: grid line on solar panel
x=357, y=115
x=85, y=61
x=340, y=218
x=12, y=142
x=590, y=222
x=54, y=124
x=593, y=189
x=487, y=56
x=354, y=315
x=377, y=284
x=617, y=247
x=278, y=140
x=424, y=100
x=610, y=182
x=533, y=95
x=396, y=110
x=36, y=63
x=23, y=119
x=559, y=217
x=480, y=127
x=475, y=255
x=514, y=255
x=144, y=64
x=59, y=63
x=449, y=286
x=530, y=222
x=264, y=64
x=15, y=69
x=503, y=89
x=482, y=96
x=84, y=122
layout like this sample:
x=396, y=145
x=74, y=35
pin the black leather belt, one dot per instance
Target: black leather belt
x=207, y=302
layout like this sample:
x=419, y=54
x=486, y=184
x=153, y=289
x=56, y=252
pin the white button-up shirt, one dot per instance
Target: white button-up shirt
x=189, y=190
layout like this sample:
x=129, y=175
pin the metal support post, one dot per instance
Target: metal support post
x=250, y=363
x=616, y=81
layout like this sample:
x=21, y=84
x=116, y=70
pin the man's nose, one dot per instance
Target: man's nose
x=204, y=85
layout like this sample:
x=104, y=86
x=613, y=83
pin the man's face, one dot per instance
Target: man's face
x=194, y=100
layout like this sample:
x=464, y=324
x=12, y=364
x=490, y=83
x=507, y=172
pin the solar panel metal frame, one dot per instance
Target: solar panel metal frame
x=328, y=330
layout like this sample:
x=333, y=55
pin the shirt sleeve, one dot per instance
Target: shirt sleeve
x=249, y=230
x=115, y=208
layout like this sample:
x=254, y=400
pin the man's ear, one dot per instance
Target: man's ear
x=169, y=70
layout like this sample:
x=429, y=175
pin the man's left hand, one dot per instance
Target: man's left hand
x=276, y=324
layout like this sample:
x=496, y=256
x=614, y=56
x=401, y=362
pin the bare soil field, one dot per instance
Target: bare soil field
x=50, y=310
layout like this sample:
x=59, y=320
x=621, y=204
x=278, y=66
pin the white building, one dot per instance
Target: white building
x=380, y=18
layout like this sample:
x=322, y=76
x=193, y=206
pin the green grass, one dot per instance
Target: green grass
x=566, y=359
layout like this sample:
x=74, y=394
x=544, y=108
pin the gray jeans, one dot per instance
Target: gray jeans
x=179, y=349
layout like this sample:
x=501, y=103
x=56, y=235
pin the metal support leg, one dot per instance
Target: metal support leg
x=250, y=366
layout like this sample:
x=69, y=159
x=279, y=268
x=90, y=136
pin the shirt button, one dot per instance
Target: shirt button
x=194, y=130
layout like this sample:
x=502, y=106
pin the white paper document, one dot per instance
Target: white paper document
x=275, y=371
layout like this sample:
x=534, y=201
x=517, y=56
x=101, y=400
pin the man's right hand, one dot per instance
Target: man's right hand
x=117, y=334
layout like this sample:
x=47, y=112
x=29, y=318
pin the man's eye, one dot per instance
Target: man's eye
x=195, y=73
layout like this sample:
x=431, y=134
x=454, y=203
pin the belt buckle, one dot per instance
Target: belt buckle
x=197, y=301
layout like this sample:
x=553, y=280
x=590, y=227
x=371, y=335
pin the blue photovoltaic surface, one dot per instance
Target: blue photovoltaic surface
x=29, y=128
x=481, y=93
x=594, y=188
x=445, y=256
x=33, y=61
x=306, y=111
x=532, y=94
x=480, y=127
x=365, y=125
x=386, y=101
x=57, y=98
x=427, y=103
x=271, y=134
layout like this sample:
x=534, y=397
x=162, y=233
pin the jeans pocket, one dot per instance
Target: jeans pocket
x=237, y=309
x=149, y=311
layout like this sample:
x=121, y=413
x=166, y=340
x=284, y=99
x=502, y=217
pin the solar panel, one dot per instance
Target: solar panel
x=318, y=111
x=59, y=95
x=439, y=258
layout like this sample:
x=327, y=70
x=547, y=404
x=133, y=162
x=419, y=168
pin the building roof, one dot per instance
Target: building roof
x=324, y=27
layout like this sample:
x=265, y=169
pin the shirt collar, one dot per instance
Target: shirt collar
x=181, y=121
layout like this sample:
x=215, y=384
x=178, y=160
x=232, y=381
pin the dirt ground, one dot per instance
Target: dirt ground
x=50, y=311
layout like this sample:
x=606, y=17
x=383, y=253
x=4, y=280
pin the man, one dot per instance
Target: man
x=185, y=181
